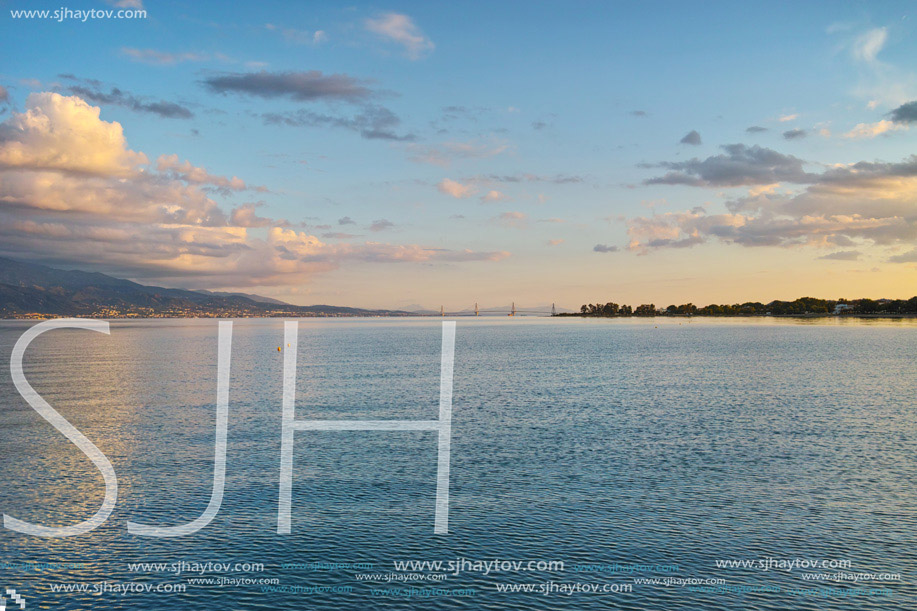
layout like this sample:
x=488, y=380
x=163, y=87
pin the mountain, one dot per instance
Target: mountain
x=253, y=297
x=29, y=290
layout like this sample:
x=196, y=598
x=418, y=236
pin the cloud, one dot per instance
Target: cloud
x=298, y=246
x=299, y=37
x=867, y=46
x=136, y=4
x=741, y=166
x=471, y=255
x=381, y=225
x=401, y=30
x=161, y=58
x=794, y=134
x=517, y=220
x=494, y=196
x=308, y=86
x=907, y=257
x=871, y=130
x=654, y=203
x=880, y=83
x=557, y=179
x=455, y=189
x=906, y=113
x=843, y=255
x=72, y=191
x=337, y=235
x=91, y=90
x=555, y=242
x=346, y=220
x=864, y=202
x=4, y=95
x=539, y=125
x=87, y=145
x=787, y=118
x=444, y=154
x=692, y=138
x=755, y=129
x=838, y=26
x=60, y=162
x=170, y=165
x=637, y=113
x=604, y=248
x=245, y=216
x=372, y=122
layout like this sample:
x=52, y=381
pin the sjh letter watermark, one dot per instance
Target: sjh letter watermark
x=442, y=426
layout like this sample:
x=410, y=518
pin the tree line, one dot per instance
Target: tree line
x=800, y=307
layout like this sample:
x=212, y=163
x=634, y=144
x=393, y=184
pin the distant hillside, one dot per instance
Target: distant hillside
x=253, y=297
x=31, y=290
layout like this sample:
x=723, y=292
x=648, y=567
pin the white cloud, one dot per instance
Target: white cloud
x=861, y=203
x=169, y=164
x=245, y=216
x=868, y=45
x=400, y=29
x=517, y=220
x=71, y=190
x=871, y=130
x=299, y=37
x=443, y=154
x=88, y=145
x=494, y=196
x=135, y=4
x=838, y=26
x=880, y=83
x=455, y=189
x=161, y=58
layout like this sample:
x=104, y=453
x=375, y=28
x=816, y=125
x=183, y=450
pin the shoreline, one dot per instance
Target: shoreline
x=689, y=316
x=500, y=317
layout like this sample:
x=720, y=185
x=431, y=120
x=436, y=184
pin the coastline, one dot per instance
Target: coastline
x=756, y=316
x=435, y=316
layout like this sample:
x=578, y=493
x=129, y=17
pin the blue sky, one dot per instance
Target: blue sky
x=446, y=153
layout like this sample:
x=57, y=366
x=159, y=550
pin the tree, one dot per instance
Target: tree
x=645, y=309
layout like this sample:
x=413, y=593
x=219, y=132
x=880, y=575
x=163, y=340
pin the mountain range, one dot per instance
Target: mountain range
x=30, y=290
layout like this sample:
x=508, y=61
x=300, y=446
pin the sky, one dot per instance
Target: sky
x=429, y=153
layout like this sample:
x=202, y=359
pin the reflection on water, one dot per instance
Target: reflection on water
x=587, y=441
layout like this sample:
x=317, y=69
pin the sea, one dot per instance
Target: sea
x=643, y=464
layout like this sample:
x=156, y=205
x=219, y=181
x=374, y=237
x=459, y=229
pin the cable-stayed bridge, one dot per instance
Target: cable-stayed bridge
x=511, y=311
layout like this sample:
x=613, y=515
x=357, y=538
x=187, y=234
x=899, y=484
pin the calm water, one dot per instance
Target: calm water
x=588, y=442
